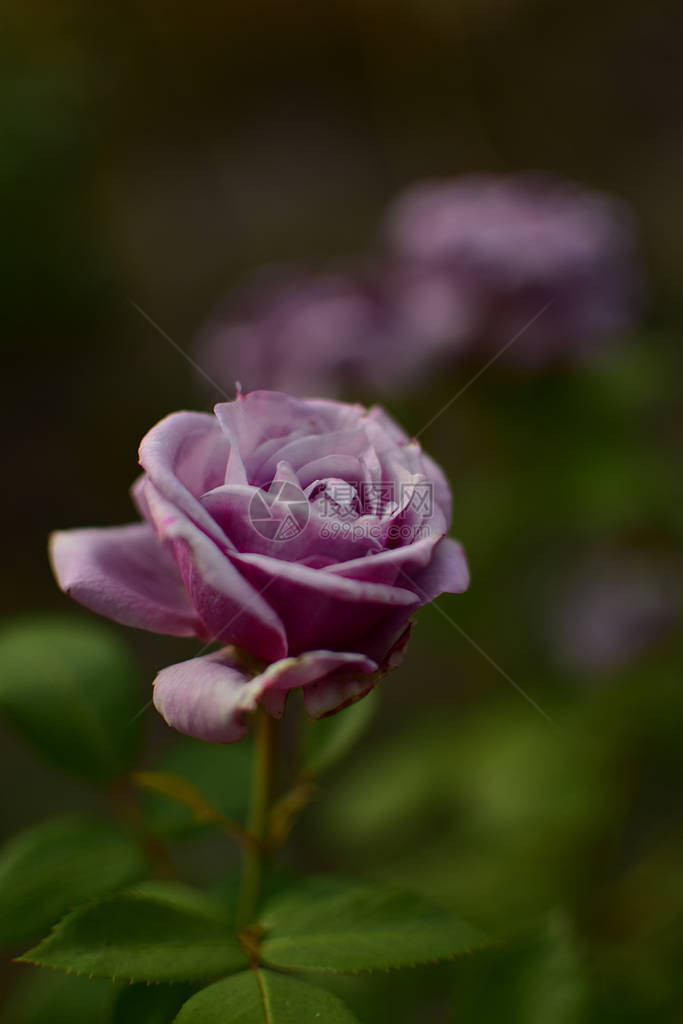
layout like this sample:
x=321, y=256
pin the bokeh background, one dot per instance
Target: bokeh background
x=157, y=154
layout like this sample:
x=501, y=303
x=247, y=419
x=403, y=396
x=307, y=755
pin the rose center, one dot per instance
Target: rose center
x=336, y=497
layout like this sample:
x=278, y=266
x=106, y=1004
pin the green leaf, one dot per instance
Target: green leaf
x=150, y=1004
x=328, y=740
x=327, y=924
x=52, y=867
x=262, y=997
x=221, y=772
x=44, y=997
x=159, y=931
x=72, y=691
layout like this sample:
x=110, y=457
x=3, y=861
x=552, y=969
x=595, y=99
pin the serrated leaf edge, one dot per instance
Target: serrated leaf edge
x=391, y=969
x=27, y=957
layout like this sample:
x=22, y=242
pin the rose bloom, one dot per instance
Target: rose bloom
x=303, y=332
x=300, y=535
x=509, y=246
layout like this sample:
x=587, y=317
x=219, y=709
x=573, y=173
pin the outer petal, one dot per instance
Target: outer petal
x=184, y=455
x=385, y=636
x=326, y=697
x=124, y=573
x=348, y=684
x=389, y=426
x=207, y=697
x=232, y=610
x=311, y=671
x=137, y=493
x=319, y=608
x=446, y=573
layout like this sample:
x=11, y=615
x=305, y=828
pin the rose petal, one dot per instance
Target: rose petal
x=447, y=573
x=419, y=463
x=232, y=610
x=207, y=697
x=400, y=449
x=384, y=636
x=389, y=426
x=137, y=493
x=336, y=415
x=247, y=518
x=264, y=416
x=313, y=666
x=345, y=467
x=124, y=573
x=388, y=566
x=325, y=698
x=319, y=608
x=184, y=456
x=302, y=450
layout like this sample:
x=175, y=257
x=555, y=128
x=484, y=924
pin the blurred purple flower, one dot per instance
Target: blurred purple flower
x=513, y=244
x=302, y=533
x=311, y=334
x=614, y=610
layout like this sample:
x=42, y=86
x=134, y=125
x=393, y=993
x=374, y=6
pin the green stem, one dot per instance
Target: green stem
x=156, y=854
x=259, y=813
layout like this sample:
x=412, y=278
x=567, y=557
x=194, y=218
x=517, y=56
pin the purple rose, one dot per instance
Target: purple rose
x=513, y=244
x=301, y=533
x=331, y=333
x=302, y=332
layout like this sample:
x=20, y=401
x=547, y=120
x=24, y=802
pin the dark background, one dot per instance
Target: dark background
x=155, y=154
